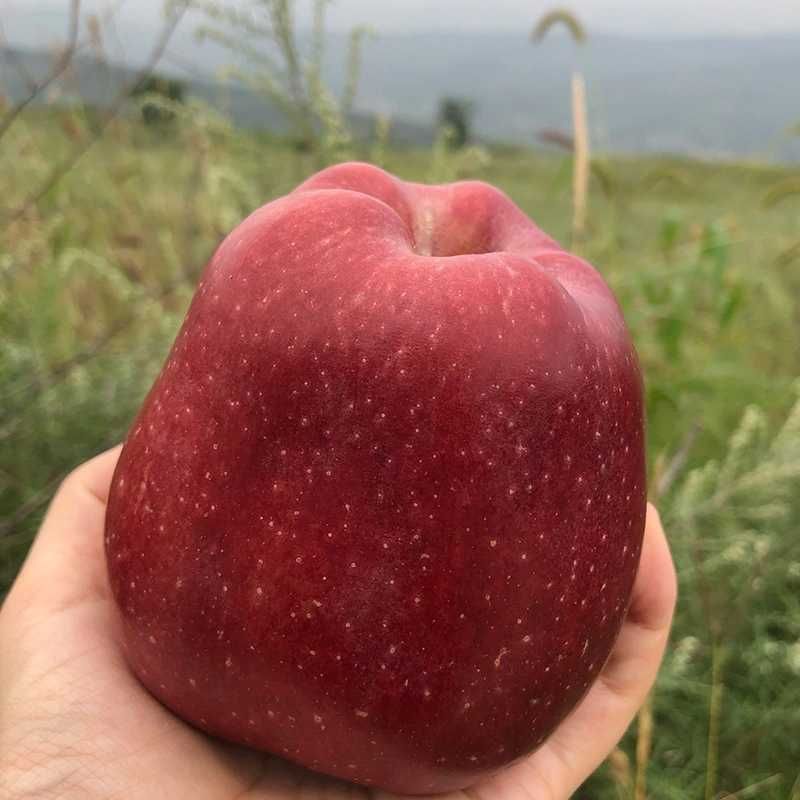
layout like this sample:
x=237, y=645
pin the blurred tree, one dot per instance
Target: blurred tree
x=155, y=88
x=455, y=115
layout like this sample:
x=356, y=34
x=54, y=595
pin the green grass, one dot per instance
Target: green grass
x=94, y=282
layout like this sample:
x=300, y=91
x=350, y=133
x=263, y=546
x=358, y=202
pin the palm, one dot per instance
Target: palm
x=128, y=745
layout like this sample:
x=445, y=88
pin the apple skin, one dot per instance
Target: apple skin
x=381, y=512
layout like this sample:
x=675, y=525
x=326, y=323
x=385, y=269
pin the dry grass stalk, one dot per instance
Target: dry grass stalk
x=644, y=743
x=620, y=769
x=60, y=66
x=580, y=175
x=714, y=717
x=63, y=168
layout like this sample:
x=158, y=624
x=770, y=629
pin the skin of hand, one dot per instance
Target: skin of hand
x=75, y=722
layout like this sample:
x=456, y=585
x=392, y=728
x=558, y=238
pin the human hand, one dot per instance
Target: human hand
x=75, y=722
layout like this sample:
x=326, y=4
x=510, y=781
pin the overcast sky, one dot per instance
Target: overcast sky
x=649, y=17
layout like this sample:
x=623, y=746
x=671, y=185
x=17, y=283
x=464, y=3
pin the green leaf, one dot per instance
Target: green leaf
x=562, y=177
x=670, y=332
x=715, y=242
x=788, y=187
x=731, y=303
x=656, y=292
x=716, y=250
x=669, y=231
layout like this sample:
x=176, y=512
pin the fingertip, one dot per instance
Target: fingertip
x=94, y=475
x=655, y=590
x=653, y=516
x=66, y=559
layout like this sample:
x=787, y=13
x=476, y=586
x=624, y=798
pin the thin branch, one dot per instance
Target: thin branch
x=318, y=36
x=354, y=56
x=707, y=599
x=192, y=209
x=8, y=54
x=795, y=793
x=62, y=169
x=59, y=68
x=557, y=138
x=63, y=369
x=8, y=479
x=283, y=35
x=678, y=461
x=755, y=789
x=111, y=25
x=30, y=506
x=237, y=44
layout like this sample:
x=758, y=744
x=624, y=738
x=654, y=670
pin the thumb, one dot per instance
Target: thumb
x=66, y=564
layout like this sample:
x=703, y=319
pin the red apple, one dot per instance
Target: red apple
x=381, y=512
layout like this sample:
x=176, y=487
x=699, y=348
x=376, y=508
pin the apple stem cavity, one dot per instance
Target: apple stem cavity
x=423, y=233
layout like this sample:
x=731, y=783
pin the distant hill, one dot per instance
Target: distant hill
x=99, y=83
x=718, y=97
x=724, y=97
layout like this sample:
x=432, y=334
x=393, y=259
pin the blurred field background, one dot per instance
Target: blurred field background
x=109, y=214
